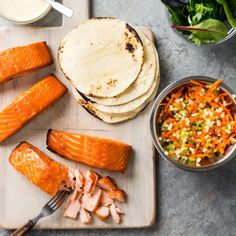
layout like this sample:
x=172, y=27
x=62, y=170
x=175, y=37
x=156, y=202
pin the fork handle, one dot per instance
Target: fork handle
x=24, y=229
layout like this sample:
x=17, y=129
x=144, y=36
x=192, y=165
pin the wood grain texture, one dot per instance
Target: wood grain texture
x=20, y=200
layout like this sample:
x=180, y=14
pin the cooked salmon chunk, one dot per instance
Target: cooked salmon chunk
x=73, y=209
x=85, y=216
x=117, y=194
x=18, y=61
x=91, y=202
x=105, y=200
x=29, y=104
x=41, y=170
x=94, y=151
x=91, y=179
x=106, y=184
x=102, y=213
x=114, y=213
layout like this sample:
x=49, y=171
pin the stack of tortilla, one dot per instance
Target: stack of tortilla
x=113, y=68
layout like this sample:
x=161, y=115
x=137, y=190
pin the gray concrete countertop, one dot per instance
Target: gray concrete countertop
x=195, y=204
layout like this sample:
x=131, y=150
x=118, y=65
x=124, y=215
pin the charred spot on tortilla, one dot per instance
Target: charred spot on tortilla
x=103, y=18
x=86, y=99
x=88, y=108
x=135, y=34
x=130, y=47
x=112, y=83
x=61, y=47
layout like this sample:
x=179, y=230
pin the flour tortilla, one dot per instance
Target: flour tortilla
x=127, y=108
x=101, y=57
x=144, y=80
x=130, y=107
x=111, y=119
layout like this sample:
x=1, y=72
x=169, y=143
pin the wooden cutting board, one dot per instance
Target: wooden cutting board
x=20, y=200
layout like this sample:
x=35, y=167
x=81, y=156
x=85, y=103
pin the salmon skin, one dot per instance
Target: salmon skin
x=29, y=104
x=94, y=151
x=41, y=170
x=18, y=61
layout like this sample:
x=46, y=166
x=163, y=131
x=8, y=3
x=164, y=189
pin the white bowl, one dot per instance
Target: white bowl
x=37, y=18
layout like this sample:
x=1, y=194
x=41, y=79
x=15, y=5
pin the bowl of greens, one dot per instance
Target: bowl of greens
x=203, y=21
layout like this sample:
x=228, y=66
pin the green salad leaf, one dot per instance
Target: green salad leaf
x=204, y=21
x=199, y=12
x=232, y=6
x=177, y=16
x=229, y=13
x=208, y=31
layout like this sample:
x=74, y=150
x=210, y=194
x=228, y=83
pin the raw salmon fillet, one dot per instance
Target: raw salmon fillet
x=41, y=170
x=29, y=104
x=18, y=61
x=94, y=151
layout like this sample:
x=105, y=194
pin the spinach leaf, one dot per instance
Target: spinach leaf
x=208, y=31
x=228, y=12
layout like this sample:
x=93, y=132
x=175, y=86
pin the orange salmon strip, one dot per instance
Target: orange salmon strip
x=29, y=104
x=18, y=61
x=40, y=169
x=93, y=151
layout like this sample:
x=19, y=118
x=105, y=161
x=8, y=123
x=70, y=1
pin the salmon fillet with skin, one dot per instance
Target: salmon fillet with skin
x=29, y=104
x=94, y=151
x=40, y=169
x=18, y=61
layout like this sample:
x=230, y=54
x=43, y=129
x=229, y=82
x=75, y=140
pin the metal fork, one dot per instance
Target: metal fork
x=47, y=210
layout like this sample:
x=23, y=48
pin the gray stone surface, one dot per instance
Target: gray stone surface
x=187, y=203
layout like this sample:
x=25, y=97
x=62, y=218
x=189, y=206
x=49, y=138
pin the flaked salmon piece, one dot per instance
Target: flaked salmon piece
x=102, y=212
x=29, y=104
x=115, y=215
x=73, y=209
x=105, y=200
x=116, y=194
x=66, y=203
x=91, y=179
x=106, y=183
x=85, y=216
x=18, y=61
x=79, y=182
x=94, y=151
x=74, y=195
x=91, y=202
x=120, y=211
x=71, y=178
x=40, y=169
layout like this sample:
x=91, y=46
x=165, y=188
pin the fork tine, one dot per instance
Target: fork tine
x=59, y=199
x=56, y=197
x=61, y=202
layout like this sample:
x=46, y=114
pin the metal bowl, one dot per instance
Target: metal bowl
x=230, y=34
x=219, y=160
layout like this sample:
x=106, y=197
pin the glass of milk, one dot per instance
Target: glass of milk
x=24, y=11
